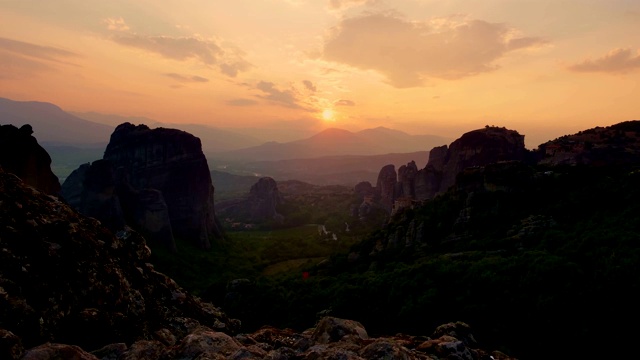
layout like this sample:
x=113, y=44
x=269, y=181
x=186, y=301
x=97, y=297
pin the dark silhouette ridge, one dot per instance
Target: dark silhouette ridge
x=21, y=155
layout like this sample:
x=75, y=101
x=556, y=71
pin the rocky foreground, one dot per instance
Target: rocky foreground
x=66, y=279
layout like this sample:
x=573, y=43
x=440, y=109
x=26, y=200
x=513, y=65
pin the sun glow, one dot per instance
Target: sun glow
x=328, y=115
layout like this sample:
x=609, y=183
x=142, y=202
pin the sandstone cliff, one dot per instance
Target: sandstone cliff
x=263, y=200
x=155, y=180
x=475, y=148
x=21, y=155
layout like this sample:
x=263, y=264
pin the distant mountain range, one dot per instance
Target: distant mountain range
x=328, y=170
x=337, y=142
x=53, y=126
x=73, y=138
x=213, y=139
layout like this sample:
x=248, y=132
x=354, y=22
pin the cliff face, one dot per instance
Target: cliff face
x=20, y=154
x=158, y=177
x=263, y=200
x=475, y=148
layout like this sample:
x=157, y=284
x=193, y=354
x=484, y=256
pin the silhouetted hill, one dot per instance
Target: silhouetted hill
x=335, y=142
x=213, y=139
x=52, y=125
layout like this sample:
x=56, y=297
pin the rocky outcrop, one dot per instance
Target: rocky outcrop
x=157, y=180
x=263, y=200
x=386, y=186
x=20, y=154
x=618, y=144
x=65, y=278
x=474, y=149
x=479, y=148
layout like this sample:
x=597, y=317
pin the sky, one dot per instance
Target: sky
x=543, y=67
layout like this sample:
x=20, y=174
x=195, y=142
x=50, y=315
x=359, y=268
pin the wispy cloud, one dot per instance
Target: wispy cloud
x=409, y=52
x=343, y=102
x=116, y=24
x=19, y=59
x=186, y=78
x=309, y=85
x=176, y=48
x=48, y=53
x=242, y=102
x=342, y=4
x=229, y=60
x=286, y=98
x=615, y=61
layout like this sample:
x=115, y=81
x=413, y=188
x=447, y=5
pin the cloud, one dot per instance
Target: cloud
x=615, y=61
x=176, y=48
x=229, y=60
x=285, y=98
x=186, y=78
x=408, y=52
x=242, y=102
x=35, y=51
x=309, y=85
x=342, y=4
x=116, y=24
x=343, y=102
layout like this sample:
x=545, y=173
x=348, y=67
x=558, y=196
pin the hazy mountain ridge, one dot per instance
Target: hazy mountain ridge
x=52, y=125
x=333, y=141
x=340, y=170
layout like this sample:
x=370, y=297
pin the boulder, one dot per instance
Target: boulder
x=331, y=329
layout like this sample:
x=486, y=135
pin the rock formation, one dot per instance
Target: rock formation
x=158, y=179
x=617, y=144
x=263, y=200
x=20, y=154
x=66, y=278
x=475, y=148
x=386, y=186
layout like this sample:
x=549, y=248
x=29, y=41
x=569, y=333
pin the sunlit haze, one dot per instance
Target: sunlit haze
x=443, y=67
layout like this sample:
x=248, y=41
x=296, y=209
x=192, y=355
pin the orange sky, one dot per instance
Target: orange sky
x=544, y=68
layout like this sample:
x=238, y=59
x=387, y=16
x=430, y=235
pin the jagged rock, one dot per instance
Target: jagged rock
x=458, y=330
x=66, y=278
x=51, y=351
x=475, y=148
x=263, y=200
x=384, y=349
x=111, y=351
x=385, y=186
x=20, y=154
x=145, y=349
x=363, y=188
x=406, y=177
x=201, y=344
x=10, y=345
x=331, y=329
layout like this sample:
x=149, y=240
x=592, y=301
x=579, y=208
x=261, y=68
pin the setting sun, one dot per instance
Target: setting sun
x=328, y=115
